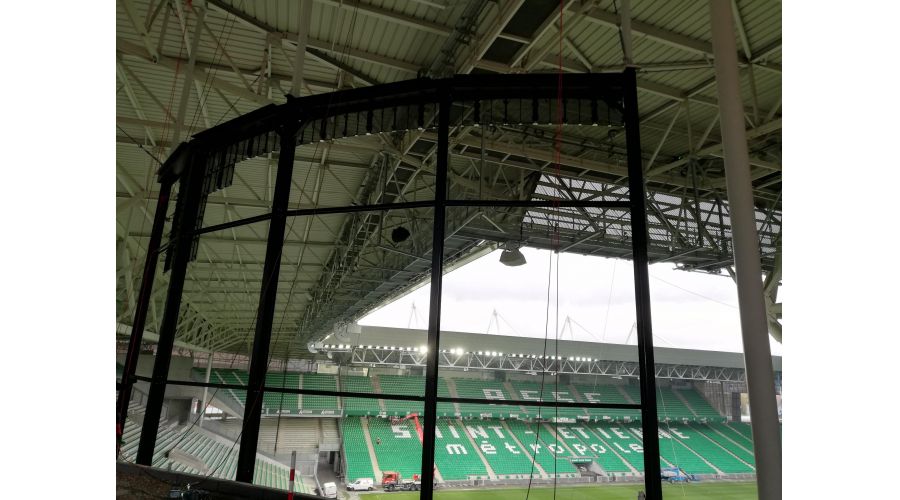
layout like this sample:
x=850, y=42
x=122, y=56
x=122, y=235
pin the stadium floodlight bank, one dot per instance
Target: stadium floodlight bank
x=207, y=163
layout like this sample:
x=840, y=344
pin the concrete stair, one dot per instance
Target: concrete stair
x=365, y=428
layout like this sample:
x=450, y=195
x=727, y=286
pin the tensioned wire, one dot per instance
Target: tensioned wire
x=555, y=240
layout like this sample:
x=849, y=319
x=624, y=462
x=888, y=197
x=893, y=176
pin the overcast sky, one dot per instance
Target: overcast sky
x=690, y=310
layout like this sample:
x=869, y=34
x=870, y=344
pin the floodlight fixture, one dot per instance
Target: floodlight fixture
x=511, y=255
x=400, y=234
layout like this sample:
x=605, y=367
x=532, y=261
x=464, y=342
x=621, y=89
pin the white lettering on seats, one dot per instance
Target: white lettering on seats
x=536, y=448
x=528, y=395
x=638, y=431
x=555, y=449
x=601, y=431
x=453, y=431
x=512, y=449
x=560, y=396
x=619, y=447
x=580, y=449
x=565, y=433
x=400, y=432
x=477, y=432
x=496, y=429
x=664, y=435
x=617, y=432
x=636, y=447
x=456, y=449
x=437, y=433
x=493, y=394
x=596, y=448
x=675, y=431
x=581, y=431
x=592, y=397
x=488, y=449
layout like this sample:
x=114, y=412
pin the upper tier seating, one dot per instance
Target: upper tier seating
x=359, y=406
x=699, y=404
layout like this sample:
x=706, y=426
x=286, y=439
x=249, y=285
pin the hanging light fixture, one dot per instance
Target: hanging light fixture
x=511, y=255
x=399, y=234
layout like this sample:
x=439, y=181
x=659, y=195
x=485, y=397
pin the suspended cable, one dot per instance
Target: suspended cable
x=138, y=144
x=612, y=282
x=218, y=53
x=693, y=293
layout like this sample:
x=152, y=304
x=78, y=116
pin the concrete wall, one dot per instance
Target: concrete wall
x=179, y=367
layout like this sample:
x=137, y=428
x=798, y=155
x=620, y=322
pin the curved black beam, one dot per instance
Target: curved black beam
x=400, y=106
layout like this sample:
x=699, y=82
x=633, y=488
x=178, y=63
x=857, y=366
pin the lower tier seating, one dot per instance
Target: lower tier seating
x=356, y=456
x=219, y=458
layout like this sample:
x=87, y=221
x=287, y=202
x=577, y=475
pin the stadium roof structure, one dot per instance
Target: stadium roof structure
x=387, y=346
x=184, y=67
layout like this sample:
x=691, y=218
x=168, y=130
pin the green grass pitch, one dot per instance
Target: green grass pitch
x=694, y=491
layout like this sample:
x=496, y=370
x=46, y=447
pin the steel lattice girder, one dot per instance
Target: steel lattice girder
x=372, y=357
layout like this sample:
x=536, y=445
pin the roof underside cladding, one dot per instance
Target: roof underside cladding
x=383, y=41
x=530, y=16
x=502, y=50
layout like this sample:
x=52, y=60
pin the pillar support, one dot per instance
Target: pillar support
x=304, y=11
x=259, y=359
x=191, y=187
x=434, y=312
x=143, y=303
x=745, y=244
x=205, y=403
x=646, y=362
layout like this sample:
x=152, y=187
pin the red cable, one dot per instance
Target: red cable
x=558, y=135
x=165, y=128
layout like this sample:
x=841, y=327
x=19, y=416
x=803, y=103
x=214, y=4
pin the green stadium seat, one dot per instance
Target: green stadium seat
x=399, y=450
x=356, y=454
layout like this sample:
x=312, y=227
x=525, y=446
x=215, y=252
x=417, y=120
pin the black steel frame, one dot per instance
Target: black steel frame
x=207, y=163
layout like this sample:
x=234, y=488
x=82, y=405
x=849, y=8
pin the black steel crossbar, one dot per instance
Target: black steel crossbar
x=405, y=397
x=306, y=212
x=206, y=163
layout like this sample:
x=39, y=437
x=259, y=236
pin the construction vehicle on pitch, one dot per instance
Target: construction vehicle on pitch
x=392, y=481
x=676, y=475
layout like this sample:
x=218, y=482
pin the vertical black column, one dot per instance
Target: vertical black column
x=434, y=312
x=636, y=196
x=191, y=190
x=143, y=303
x=259, y=359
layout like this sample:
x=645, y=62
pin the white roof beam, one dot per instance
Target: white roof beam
x=343, y=50
x=269, y=30
x=303, y=21
x=200, y=11
x=132, y=97
x=394, y=17
x=548, y=24
x=481, y=46
x=139, y=28
x=670, y=38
